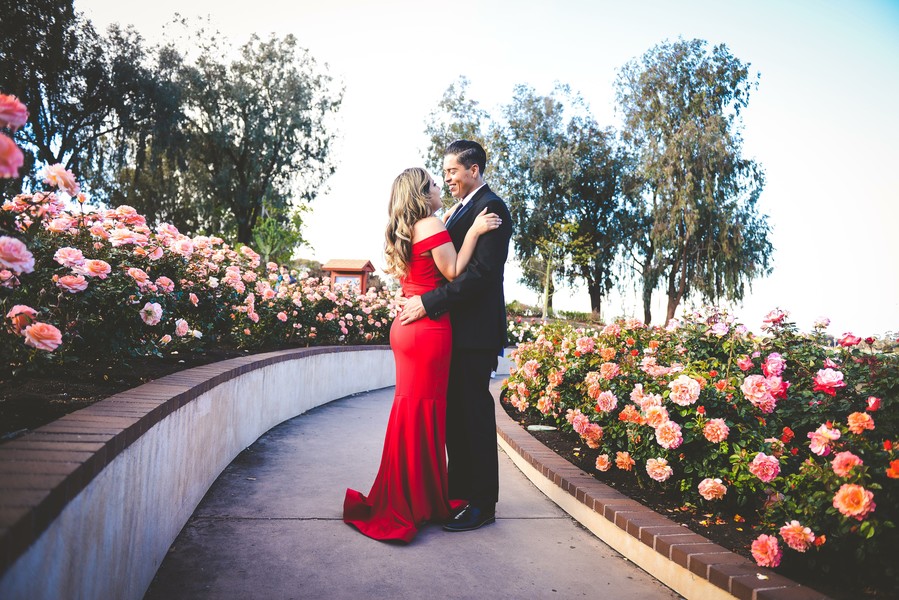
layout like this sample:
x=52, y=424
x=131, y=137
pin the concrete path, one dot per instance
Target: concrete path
x=270, y=527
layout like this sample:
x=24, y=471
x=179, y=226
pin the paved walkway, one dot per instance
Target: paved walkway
x=270, y=527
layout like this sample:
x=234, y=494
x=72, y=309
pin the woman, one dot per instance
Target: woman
x=410, y=487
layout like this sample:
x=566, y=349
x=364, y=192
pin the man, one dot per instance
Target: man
x=477, y=310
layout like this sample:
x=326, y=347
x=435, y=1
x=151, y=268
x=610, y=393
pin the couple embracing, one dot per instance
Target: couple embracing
x=445, y=341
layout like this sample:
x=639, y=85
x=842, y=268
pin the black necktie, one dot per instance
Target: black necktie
x=455, y=216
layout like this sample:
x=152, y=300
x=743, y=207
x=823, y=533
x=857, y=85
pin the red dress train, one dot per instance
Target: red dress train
x=411, y=486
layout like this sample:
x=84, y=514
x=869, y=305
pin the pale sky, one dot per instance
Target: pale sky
x=823, y=122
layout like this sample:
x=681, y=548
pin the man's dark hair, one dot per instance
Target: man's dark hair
x=468, y=153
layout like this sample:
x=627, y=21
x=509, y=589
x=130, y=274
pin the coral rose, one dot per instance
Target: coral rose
x=11, y=158
x=609, y=370
x=716, y=430
x=745, y=363
x=684, y=391
x=658, y=469
x=796, y=536
x=765, y=467
x=624, y=461
x=21, y=316
x=95, y=268
x=165, y=284
x=859, y=422
x=15, y=256
x=843, y=463
x=58, y=176
x=13, y=113
x=712, y=489
x=603, y=463
x=766, y=551
x=42, y=336
x=893, y=470
x=139, y=275
x=669, y=435
x=72, y=283
x=854, y=501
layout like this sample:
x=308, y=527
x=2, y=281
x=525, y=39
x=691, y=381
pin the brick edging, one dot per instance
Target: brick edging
x=42, y=471
x=732, y=573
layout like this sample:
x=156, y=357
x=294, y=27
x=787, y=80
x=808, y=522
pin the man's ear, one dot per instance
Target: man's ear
x=477, y=170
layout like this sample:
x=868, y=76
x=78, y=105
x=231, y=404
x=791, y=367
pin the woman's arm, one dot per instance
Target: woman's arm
x=450, y=263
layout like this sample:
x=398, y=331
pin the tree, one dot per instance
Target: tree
x=702, y=232
x=456, y=118
x=258, y=130
x=276, y=235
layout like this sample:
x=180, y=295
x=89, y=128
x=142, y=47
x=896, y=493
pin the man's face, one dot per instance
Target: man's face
x=461, y=181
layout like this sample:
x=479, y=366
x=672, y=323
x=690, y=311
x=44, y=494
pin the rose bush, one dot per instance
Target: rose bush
x=782, y=424
x=78, y=285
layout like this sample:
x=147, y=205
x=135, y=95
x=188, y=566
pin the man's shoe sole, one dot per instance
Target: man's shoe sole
x=472, y=528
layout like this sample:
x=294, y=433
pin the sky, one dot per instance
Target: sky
x=823, y=122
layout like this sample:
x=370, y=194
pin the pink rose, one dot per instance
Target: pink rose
x=656, y=416
x=609, y=370
x=58, y=176
x=716, y=430
x=165, y=284
x=69, y=257
x=95, y=268
x=151, y=313
x=766, y=551
x=606, y=402
x=99, y=231
x=765, y=467
x=684, y=390
x=72, y=283
x=848, y=340
x=843, y=463
x=15, y=256
x=658, y=469
x=42, y=336
x=822, y=438
x=21, y=316
x=828, y=381
x=774, y=365
x=796, y=536
x=13, y=113
x=756, y=389
x=745, y=363
x=669, y=435
x=181, y=328
x=61, y=224
x=139, y=275
x=193, y=299
x=11, y=158
x=712, y=489
x=585, y=345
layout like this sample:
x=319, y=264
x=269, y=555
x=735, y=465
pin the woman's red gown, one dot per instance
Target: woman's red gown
x=411, y=486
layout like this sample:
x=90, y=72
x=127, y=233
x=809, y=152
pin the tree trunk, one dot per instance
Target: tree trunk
x=244, y=232
x=547, y=294
x=595, y=292
x=649, y=283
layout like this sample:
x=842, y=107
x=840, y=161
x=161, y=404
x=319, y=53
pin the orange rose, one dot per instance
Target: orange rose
x=42, y=336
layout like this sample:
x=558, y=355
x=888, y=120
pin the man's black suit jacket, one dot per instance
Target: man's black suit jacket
x=475, y=299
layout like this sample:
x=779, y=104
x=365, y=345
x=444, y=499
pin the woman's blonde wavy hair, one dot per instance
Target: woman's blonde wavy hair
x=409, y=203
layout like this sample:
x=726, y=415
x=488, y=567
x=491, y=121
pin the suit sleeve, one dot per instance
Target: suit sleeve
x=484, y=269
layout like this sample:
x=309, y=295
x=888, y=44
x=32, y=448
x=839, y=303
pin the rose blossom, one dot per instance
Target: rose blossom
x=796, y=536
x=848, y=340
x=658, y=469
x=139, y=275
x=58, y=176
x=758, y=392
x=181, y=328
x=15, y=256
x=606, y=402
x=712, y=489
x=602, y=462
x=656, y=416
x=72, y=283
x=668, y=435
x=766, y=551
x=585, y=345
x=775, y=317
x=165, y=284
x=821, y=323
x=21, y=316
x=151, y=313
x=624, y=461
x=69, y=257
x=11, y=158
x=774, y=365
x=609, y=370
x=859, y=422
x=828, y=380
x=873, y=404
x=193, y=299
x=165, y=339
x=765, y=467
x=42, y=336
x=745, y=363
x=854, y=501
x=843, y=463
x=13, y=113
x=95, y=268
x=530, y=369
x=716, y=430
x=821, y=439
x=282, y=316
x=684, y=391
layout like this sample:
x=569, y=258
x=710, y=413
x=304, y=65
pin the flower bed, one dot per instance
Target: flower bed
x=79, y=285
x=796, y=436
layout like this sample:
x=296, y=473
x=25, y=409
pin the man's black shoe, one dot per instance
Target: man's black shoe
x=470, y=519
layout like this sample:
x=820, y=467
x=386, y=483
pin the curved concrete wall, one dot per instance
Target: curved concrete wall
x=138, y=487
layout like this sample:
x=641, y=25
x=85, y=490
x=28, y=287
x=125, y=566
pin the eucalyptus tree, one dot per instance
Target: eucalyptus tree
x=702, y=232
x=259, y=129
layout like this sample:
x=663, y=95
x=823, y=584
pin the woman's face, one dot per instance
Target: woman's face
x=434, y=196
